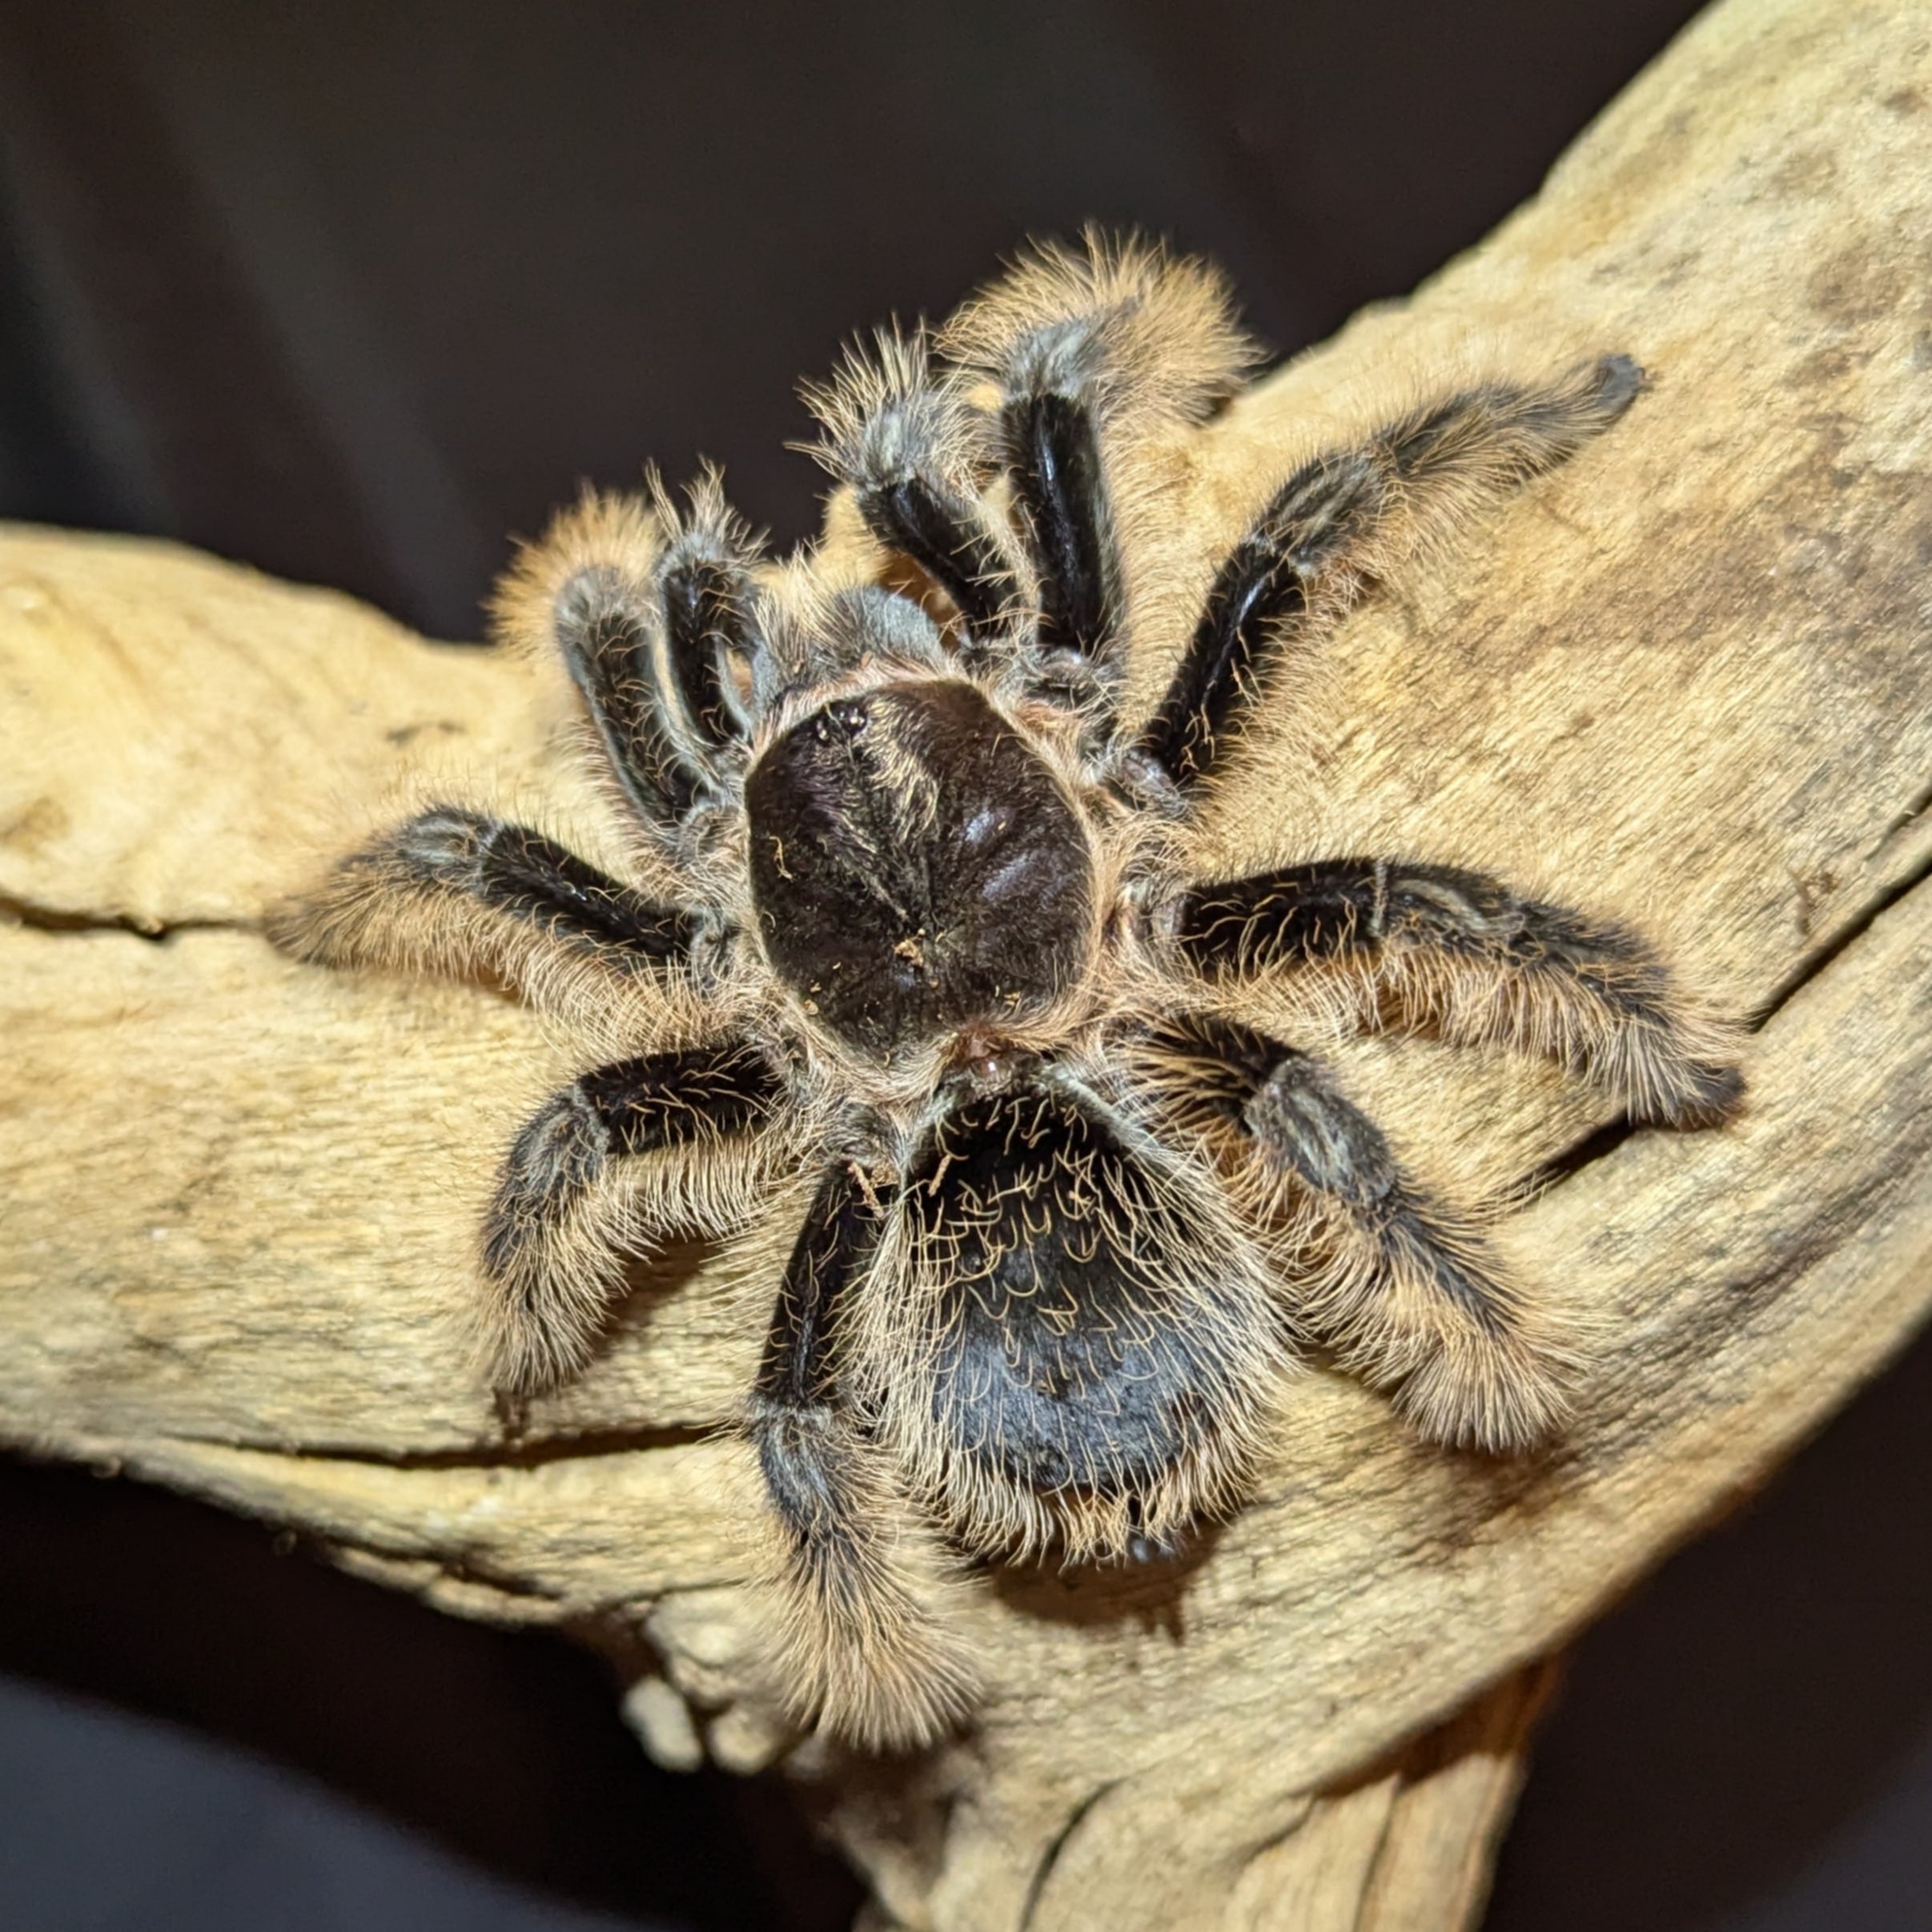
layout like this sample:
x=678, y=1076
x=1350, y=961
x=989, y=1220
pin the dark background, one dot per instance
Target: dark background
x=349, y=290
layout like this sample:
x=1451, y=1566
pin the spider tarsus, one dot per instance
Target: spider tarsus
x=1678, y=1090
x=1159, y=328
x=1502, y=1400
x=861, y=1640
x=1620, y=380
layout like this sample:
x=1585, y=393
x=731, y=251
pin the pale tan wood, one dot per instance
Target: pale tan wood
x=1685, y=680
x=1431, y=1872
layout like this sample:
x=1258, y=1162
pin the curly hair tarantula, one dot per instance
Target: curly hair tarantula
x=941, y=955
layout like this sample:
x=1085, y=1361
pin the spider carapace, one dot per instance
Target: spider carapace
x=934, y=947
x=917, y=868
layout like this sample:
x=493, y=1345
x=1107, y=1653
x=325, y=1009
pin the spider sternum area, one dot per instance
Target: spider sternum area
x=919, y=872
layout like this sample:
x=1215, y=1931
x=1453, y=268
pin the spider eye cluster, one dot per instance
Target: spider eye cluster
x=916, y=867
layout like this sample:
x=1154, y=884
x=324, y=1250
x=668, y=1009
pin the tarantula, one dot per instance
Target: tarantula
x=939, y=956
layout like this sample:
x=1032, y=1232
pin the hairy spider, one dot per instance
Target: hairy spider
x=940, y=956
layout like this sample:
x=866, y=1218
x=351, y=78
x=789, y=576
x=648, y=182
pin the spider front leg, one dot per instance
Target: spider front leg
x=1086, y=349
x=1459, y=953
x=901, y=437
x=651, y=611
x=454, y=891
x=861, y=1644
x=570, y=1203
x=1408, y=1290
x=1352, y=515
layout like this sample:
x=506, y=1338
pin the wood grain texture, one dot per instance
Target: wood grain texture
x=1686, y=681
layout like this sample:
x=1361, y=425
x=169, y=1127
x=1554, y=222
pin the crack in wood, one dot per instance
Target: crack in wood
x=590, y=1446
x=1055, y=1846
x=35, y=917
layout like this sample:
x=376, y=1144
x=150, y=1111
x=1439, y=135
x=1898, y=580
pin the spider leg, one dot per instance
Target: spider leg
x=1459, y=953
x=902, y=438
x=1051, y=443
x=1407, y=1290
x=1087, y=349
x=1350, y=515
x=453, y=890
x=859, y=1645
x=566, y=1210
x=651, y=610
x=1087, y=1349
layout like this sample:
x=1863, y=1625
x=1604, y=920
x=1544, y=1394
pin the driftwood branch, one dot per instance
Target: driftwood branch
x=1686, y=681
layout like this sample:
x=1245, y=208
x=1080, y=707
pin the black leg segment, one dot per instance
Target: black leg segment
x=834, y=1248
x=814, y=1467
x=1458, y=952
x=1060, y=489
x=858, y=1637
x=510, y=868
x=608, y=629
x=707, y=630
x=918, y=517
x=904, y=442
x=454, y=891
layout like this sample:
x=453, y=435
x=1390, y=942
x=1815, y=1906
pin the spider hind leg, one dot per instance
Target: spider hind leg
x=1406, y=1288
x=1090, y=1350
x=861, y=1640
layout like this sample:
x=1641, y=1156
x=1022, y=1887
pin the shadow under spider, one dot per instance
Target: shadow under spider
x=650, y=1283
x=1151, y=1594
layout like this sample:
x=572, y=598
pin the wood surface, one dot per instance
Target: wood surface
x=1684, y=681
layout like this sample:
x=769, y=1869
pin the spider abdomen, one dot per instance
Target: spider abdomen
x=1087, y=1347
x=916, y=867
